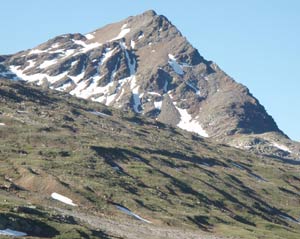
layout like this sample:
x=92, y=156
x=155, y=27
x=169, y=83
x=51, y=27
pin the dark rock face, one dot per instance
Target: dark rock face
x=144, y=64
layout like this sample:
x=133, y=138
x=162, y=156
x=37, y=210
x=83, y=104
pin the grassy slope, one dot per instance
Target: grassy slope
x=52, y=143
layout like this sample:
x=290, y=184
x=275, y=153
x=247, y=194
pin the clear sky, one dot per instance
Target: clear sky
x=257, y=42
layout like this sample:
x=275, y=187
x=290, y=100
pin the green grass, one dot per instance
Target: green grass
x=164, y=173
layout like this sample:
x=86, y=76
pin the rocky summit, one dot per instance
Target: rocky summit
x=144, y=64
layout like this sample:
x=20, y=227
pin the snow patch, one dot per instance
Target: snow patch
x=89, y=36
x=141, y=36
x=123, y=45
x=83, y=88
x=108, y=53
x=110, y=98
x=197, y=91
x=120, y=95
x=53, y=79
x=86, y=89
x=86, y=47
x=165, y=87
x=154, y=93
x=10, y=75
x=9, y=232
x=131, y=64
x=124, y=31
x=2, y=124
x=281, y=147
x=240, y=145
x=132, y=79
x=74, y=63
x=62, y=53
x=173, y=63
x=48, y=63
x=170, y=95
x=132, y=44
x=187, y=123
x=31, y=64
x=36, y=77
x=157, y=104
x=136, y=102
x=63, y=199
x=130, y=213
x=66, y=53
x=99, y=113
x=55, y=45
x=114, y=72
x=135, y=94
x=65, y=86
x=77, y=78
x=36, y=51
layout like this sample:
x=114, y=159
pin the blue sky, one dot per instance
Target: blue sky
x=257, y=42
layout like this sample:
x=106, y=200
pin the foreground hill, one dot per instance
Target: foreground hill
x=143, y=64
x=110, y=163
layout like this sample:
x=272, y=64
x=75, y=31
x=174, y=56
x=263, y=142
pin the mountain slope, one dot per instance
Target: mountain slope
x=106, y=160
x=144, y=64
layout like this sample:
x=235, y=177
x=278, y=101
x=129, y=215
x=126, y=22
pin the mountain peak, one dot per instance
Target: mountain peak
x=147, y=24
x=144, y=64
x=150, y=13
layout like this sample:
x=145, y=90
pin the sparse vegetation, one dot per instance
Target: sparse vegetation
x=51, y=142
